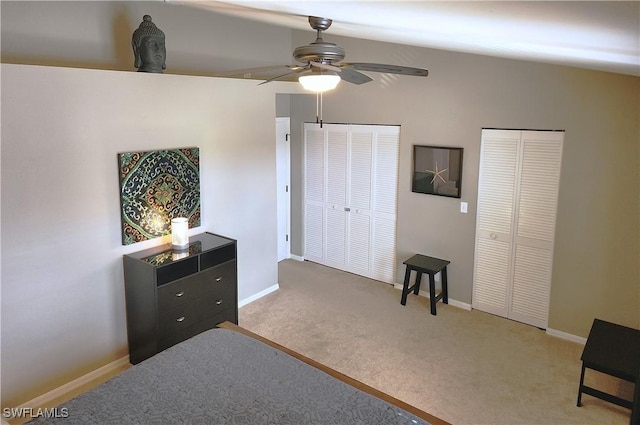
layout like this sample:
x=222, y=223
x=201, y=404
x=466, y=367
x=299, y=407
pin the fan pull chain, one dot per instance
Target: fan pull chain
x=319, y=108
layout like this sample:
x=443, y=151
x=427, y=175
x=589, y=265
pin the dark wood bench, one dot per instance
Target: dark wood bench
x=614, y=350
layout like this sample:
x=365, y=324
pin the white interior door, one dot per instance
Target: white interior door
x=386, y=159
x=517, y=202
x=314, y=193
x=351, y=177
x=336, y=206
x=535, y=226
x=283, y=183
x=359, y=199
x=494, y=223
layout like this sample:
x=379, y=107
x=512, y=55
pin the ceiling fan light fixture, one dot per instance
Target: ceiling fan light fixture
x=319, y=82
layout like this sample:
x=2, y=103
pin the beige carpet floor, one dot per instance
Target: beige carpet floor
x=466, y=367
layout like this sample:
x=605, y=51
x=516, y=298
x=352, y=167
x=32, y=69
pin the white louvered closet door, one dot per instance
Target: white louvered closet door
x=384, y=199
x=336, y=197
x=360, y=181
x=517, y=202
x=535, y=226
x=314, y=188
x=494, y=222
x=353, y=227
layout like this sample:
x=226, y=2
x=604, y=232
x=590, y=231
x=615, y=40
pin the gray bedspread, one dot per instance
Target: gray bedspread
x=223, y=377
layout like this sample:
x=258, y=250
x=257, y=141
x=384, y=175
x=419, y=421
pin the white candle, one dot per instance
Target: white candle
x=179, y=233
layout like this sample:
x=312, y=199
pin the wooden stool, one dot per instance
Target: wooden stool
x=431, y=266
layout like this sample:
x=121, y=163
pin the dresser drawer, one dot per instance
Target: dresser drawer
x=191, y=313
x=219, y=256
x=185, y=333
x=220, y=280
x=177, y=270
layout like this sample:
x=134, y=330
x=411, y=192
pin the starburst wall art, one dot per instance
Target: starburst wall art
x=437, y=170
x=156, y=186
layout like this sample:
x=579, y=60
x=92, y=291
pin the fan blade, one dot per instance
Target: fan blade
x=287, y=76
x=325, y=66
x=352, y=76
x=253, y=72
x=262, y=73
x=389, y=69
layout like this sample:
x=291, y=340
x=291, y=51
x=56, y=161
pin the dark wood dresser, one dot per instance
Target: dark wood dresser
x=172, y=296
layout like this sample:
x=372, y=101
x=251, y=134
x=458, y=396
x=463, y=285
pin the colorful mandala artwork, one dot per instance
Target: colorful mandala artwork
x=155, y=187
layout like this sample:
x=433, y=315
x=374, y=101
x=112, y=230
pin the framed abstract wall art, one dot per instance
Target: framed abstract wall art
x=156, y=186
x=437, y=170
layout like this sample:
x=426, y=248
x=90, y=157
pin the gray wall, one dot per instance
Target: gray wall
x=62, y=281
x=596, y=271
x=62, y=300
x=97, y=34
x=62, y=286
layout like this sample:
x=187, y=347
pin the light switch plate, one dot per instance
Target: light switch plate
x=463, y=207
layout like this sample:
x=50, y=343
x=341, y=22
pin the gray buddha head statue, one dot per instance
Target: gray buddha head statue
x=149, y=50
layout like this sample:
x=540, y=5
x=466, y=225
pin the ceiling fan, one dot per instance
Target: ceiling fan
x=322, y=68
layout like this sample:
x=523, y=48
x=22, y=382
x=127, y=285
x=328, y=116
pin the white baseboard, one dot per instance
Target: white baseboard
x=460, y=304
x=46, y=398
x=465, y=306
x=567, y=336
x=423, y=293
x=296, y=257
x=258, y=295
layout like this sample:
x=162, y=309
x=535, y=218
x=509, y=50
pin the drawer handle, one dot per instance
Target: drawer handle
x=218, y=302
x=180, y=319
x=219, y=279
x=179, y=294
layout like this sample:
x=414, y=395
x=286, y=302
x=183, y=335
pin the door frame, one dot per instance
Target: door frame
x=283, y=187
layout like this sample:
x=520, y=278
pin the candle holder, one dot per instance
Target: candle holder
x=179, y=234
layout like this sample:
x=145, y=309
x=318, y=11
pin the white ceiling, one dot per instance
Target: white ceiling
x=589, y=34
